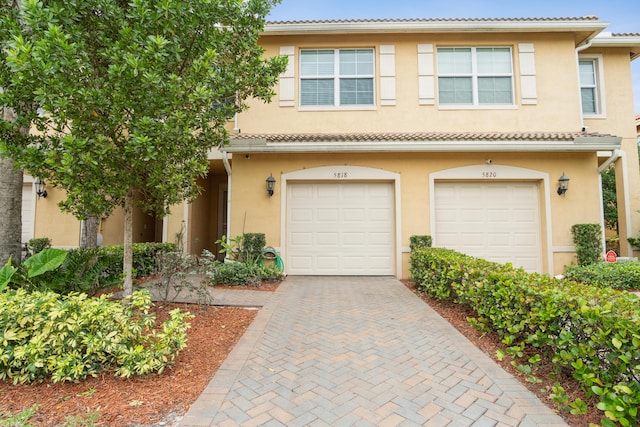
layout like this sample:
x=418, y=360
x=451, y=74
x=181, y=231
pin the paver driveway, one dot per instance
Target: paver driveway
x=342, y=351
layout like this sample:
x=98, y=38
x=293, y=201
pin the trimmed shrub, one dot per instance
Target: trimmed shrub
x=37, y=245
x=621, y=275
x=240, y=273
x=588, y=241
x=68, y=338
x=591, y=332
x=417, y=242
x=144, y=260
x=252, y=245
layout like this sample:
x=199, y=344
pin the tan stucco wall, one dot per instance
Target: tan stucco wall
x=558, y=107
x=254, y=211
x=62, y=229
x=203, y=215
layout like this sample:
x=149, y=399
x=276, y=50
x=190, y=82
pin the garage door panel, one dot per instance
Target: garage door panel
x=352, y=228
x=302, y=239
x=498, y=221
x=354, y=214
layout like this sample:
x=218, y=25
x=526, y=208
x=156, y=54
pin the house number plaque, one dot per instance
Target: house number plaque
x=489, y=174
x=340, y=175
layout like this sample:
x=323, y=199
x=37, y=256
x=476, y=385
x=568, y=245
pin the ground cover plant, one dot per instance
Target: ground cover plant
x=69, y=338
x=591, y=333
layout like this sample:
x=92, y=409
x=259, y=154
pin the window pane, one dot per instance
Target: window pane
x=356, y=91
x=455, y=90
x=587, y=73
x=316, y=92
x=356, y=62
x=494, y=90
x=316, y=63
x=588, y=100
x=494, y=60
x=453, y=60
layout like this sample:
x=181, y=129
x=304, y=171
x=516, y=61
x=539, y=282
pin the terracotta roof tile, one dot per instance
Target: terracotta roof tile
x=419, y=136
x=347, y=21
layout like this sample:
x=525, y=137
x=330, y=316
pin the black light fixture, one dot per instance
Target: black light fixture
x=271, y=183
x=563, y=184
x=40, y=191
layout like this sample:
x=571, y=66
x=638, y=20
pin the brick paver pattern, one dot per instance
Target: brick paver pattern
x=348, y=351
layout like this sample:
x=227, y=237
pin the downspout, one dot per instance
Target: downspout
x=227, y=167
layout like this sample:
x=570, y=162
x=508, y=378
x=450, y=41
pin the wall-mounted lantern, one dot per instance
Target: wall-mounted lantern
x=563, y=184
x=271, y=183
x=40, y=191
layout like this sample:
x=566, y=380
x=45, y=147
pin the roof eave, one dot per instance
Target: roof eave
x=588, y=28
x=585, y=144
x=630, y=42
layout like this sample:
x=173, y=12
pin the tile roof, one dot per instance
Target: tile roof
x=419, y=136
x=426, y=20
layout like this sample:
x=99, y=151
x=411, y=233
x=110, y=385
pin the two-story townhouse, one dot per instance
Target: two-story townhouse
x=468, y=130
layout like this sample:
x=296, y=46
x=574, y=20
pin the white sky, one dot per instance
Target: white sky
x=623, y=16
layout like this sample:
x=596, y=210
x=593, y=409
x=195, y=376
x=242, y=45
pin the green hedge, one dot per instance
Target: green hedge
x=68, y=338
x=621, y=275
x=591, y=332
x=144, y=259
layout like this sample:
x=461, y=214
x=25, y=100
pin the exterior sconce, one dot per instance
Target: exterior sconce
x=271, y=183
x=563, y=184
x=40, y=191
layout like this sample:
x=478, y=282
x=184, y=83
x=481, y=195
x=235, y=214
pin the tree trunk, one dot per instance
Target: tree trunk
x=11, y=202
x=11, y=218
x=89, y=238
x=128, y=243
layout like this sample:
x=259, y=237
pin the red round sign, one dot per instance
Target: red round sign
x=611, y=256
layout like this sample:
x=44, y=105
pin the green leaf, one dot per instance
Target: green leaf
x=5, y=275
x=616, y=343
x=45, y=261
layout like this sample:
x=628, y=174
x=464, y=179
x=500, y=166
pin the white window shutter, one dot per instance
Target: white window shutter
x=426, y=75
x=387, y=75
x=528, y=85
x=287, y=79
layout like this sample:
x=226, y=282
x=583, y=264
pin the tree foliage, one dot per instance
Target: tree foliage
x=126, y=98
x=130, y=94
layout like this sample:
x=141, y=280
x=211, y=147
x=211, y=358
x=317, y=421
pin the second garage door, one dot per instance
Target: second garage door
x=497, y=221
x=338, y=228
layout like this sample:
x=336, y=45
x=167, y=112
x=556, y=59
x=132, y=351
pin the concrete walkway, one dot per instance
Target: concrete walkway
x=345, y=351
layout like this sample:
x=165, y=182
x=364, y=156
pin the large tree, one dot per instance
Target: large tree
x=131, y=95
x=10, y=176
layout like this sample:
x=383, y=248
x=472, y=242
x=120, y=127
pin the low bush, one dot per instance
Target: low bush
x=240, y=273
x=68, y=338
x=590, y=332
x=37, y=245
x=621, y=275
x=144, y=259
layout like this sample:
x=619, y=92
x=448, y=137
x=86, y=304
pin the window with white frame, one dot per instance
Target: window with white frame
x=336, y=77
x=589, y=91
x=475, y=76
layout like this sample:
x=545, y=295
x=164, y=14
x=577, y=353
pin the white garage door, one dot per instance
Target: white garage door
x=340, y=229
x=28, y=212
x=496, y=221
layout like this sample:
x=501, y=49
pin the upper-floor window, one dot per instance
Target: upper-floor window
x=589, y=82
x=475, y=76
x=336, y=77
